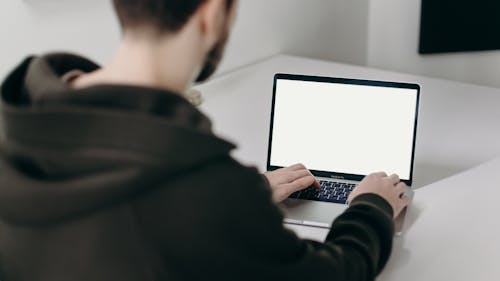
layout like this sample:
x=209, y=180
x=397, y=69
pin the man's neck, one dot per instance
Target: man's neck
x=168, y=63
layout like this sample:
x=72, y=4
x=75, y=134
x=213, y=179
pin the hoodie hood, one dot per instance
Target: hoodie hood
x=67, y=152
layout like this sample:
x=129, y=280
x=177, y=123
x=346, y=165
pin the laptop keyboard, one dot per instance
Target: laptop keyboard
x=335, y=192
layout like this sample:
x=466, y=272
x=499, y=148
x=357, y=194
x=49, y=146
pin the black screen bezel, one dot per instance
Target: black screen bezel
x=335, y=175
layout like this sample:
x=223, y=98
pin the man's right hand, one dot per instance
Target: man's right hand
x=388, y=187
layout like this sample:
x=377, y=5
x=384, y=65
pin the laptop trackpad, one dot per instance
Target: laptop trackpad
x=314, y=213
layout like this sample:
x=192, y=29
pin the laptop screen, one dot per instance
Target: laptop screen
x=343, y=128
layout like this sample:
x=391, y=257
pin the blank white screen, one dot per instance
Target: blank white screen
x=351, y=129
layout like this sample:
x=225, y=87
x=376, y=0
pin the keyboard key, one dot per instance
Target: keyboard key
x=334, y=192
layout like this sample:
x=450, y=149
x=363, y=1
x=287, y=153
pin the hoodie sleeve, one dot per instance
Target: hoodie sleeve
x=219, y=223
x=357, y=247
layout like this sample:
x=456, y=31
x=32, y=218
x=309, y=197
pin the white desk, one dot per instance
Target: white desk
x=457, y=130
x=453, y=230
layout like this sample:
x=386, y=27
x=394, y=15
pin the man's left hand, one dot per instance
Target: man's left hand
x=288, y=180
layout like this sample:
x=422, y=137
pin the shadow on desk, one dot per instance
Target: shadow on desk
x=412, y=215
x=428, y=173
x=401, y=256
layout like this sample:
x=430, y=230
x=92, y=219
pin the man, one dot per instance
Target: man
x=110, y=174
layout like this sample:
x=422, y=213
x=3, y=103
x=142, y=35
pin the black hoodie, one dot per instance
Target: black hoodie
x=124, y=183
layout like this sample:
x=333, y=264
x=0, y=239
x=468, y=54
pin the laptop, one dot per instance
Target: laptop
x=341, y=130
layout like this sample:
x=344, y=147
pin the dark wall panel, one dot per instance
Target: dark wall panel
x=459, y=25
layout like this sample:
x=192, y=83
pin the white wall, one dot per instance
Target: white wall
x=33, y=27
x=382, y=34
x=394, y=27
x=326, y=29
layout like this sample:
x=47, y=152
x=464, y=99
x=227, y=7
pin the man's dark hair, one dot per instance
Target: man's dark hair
x=162, y=15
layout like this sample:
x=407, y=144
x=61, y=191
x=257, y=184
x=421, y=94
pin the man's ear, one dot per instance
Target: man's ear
x=212, y=16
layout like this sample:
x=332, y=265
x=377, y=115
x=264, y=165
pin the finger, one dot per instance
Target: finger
x=299, y=184
x=406, y=200
x=402, y=187
x=379, y=174
x=401, y=192
x=404, y=203
x=316, y=183
x=394, y=179
x=296, y=167
x=295, y=175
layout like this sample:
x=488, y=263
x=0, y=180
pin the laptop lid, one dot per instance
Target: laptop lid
x=343, y=128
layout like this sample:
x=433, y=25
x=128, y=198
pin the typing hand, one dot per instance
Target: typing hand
x=288, y=180
x=391, y=188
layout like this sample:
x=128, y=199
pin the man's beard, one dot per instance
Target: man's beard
x=213, y=59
